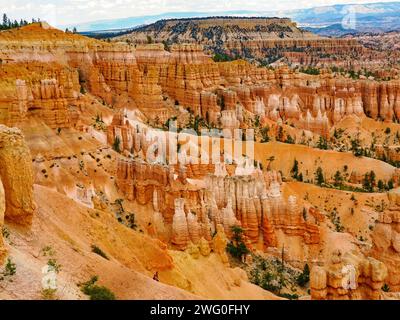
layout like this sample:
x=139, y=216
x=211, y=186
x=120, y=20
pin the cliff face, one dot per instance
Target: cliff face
x=45, y=79
x=232, y=28
x=220, y=92
x=67, y=65
x=238, y=36
x=183, y=74
x=193, y=211
x=262, y=39
x=273, y=40
x=36, y=90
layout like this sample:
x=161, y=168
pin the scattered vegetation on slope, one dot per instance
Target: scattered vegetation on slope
x=95, y=292
x=274, y=275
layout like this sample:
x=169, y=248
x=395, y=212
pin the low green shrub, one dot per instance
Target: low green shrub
x=95, y=292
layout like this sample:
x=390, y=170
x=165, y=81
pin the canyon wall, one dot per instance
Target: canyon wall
x=220, y=92
x=263, y=40
x=157, y=82
x=35, y=90
x=45, y=71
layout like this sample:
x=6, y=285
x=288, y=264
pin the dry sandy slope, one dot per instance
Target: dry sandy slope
x=357, y=216
x=208, y=277
x=368, y=130
x=70, y=229
x=310, y=159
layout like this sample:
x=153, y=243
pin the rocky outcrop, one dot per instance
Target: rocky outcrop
x=381, y=99
x=108, y=71
x=17, y=175
x=183, y=74
x=312, y=103
x=204, y=247
x=252, y=200
x=145, y=183
x=2, y=210
x=219, y=244
x=180, y=233
x=348, y=276
x=386, y=241
x=231, y=28
x=258, y=204
x=42, y=91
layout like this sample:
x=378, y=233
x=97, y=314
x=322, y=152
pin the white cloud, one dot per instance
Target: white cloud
x=63, y=12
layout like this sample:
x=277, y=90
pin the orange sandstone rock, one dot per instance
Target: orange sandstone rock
x=180, y=233
x=348, y=276
x=219, y=244
x=386, y=241
x=17, y=175
x=2, y=210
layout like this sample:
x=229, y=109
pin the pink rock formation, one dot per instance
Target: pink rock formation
x=348, y=277
x=180, y=233
x=194, y=228
x=259, y=205
x=253, y=201
x=386, y=241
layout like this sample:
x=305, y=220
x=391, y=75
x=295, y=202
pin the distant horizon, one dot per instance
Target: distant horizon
x=62, y=13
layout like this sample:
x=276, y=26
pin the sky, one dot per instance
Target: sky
x=67, y=12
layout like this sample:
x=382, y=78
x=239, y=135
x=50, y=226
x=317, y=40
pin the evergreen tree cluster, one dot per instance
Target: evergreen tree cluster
x=369, y=181
x=237, y=248
x=319, y=176
x=304, y=277
x=74, y=30
x=7, y=23
x=295, y=171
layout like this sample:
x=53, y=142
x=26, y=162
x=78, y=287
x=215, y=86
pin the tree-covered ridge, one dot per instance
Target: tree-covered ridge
x=7, y=23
